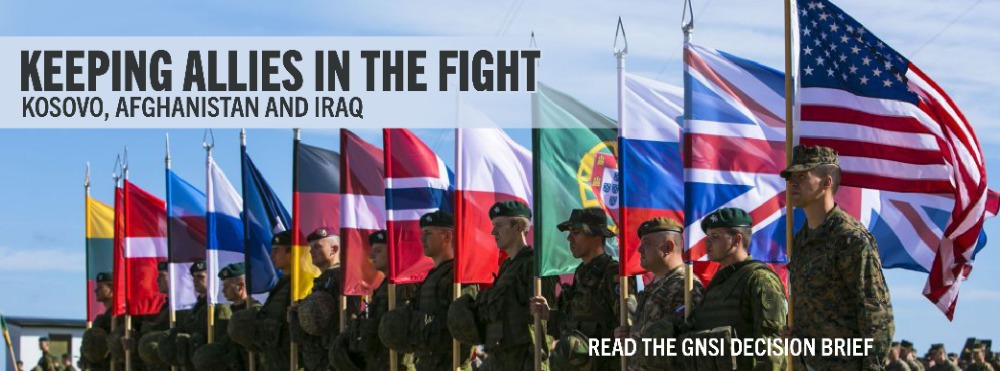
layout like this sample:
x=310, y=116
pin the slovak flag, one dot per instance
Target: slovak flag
x=491, y=168
x=417, y=182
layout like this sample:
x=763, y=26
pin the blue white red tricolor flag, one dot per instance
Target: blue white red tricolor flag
x=649, y=162
x=417, y=182
x=897, y=132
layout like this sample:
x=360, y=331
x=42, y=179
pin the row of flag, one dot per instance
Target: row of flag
x=913, y=173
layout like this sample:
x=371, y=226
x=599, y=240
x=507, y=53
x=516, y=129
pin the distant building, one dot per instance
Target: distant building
x=64, y=337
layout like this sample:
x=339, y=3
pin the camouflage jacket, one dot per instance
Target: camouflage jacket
x=591, y=304
x=947, y=365
x=897, y=365
x=314, y=348
x=664, y=298
x=244, y=354
x=272, y=327
x=364, y=329
x=432, y=340
x=979, y=367
x=46, y=363
x=838, y=291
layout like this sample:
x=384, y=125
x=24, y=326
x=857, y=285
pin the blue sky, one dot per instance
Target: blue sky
x=41, y=228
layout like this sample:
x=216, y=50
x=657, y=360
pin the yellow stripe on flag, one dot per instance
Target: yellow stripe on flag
x=304, y=271
x=101, y=219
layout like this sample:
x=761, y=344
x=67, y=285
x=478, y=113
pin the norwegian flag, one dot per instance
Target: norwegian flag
x=897, y=132
x=734, y=143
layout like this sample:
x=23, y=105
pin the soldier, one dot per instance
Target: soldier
x=429, y=337
x=661, y=253
x=909, y=356
x=269, y=328
x=589, y=308
x=939, y=360
x=225, y=353
x=67, y=363
x=362, y=335
x=46, y=362
x=196, y=326
x=745, y=298
x=837, y=286
x=500, y=317
x=979, y=359
x=152, y=328
x=895, y=362
x=320, y=330
x=94, y=348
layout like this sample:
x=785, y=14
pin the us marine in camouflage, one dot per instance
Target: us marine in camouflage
x=359, y=347
x=225, y=354
x=745, y=298
x=979, y=359
x=500, y=318
x=589, y=308
x=318, y=322
x=661, y=305
x=939, y=359
x=909, y=356
x=428, y=335
x=895, y=363
x=837, y=286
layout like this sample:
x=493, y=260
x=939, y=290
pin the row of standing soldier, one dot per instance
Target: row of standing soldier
x=836, y=282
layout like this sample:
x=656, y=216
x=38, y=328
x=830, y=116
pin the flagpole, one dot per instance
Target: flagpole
x=296, y=225
x=117, y=178
x=86, y=240
x=342, y=252
x=211, y=262
x=536, y=201
x=251, y=364
x=128, y=318
x=688, y=29
x=623, y=279
x=789, y=121
x=456, y=357
x=6, y=335
x=170, y=267
x=393, y=362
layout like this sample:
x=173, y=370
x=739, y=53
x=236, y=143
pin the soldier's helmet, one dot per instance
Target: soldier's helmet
x=94, y=347
x=317, y=313
x=241, y=328
x=216, y=356
x=462, y=321
x=570, y=353
x=149, y=347
x=393, y=330
x=343, y=360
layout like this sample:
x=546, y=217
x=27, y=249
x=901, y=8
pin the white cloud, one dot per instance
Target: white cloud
x=42, y=259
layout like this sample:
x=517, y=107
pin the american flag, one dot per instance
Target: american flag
x=897, y=132
x=734, y=143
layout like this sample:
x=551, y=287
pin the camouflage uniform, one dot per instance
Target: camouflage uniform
x=432, y=340
x=46, y=363
x=915, y=365
x=102, y=321
x=271, y=330
x=838, y=291
x=748, y=297
x=591, y=306
x=947, y=365
x=897, y=365
x=363, y=331
x=663, y=299
x=979, y=367
x=502, y=312
x=152, y=323
x=250, y=302
x=314, y=348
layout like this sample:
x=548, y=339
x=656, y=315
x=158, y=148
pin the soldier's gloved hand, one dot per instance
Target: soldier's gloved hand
x=540, y=306
x=291, y=315
x=622, y=332
x=787, y=332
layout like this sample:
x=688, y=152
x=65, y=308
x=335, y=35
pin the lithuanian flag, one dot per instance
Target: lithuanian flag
x=100, y=226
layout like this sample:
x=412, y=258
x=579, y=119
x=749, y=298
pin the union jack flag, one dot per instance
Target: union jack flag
x=899, y=133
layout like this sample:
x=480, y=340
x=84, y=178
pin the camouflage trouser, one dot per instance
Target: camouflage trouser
x=520, y=358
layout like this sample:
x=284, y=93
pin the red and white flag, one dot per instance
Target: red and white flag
x=362, y=210
x=145, y=245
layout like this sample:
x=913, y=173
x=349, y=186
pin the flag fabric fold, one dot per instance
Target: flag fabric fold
x=652, y=173
x=225, y=242
x=417, y=182
x=315, y=204
x=899, y=133
x=362, y=211
x=145, y=246
x=118, y=282
x=490, y=168
x=263, y=216
x=100, y=249
x=574, y=148
x=186, y=238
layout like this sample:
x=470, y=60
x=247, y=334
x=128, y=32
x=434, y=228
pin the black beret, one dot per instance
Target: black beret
x=906, y=344
x=232, y=270
x=728, y=217
x=283, y=238
x=511, y=209
x=103, y=277
x=198, y=266
x=894, y=344
x=320, y=233
x=937, y=347
x=43, y=338
x=439, y=218
x=378, y=237
x=593, y=217
x=162, y=266
x=660, y=224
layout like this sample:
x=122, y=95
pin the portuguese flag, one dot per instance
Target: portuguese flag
x=574, y=148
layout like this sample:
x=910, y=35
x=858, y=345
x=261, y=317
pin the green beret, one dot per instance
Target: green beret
x=439, y=218
x=806, y=158
x=321, y=233
x=232, y=270
x=937, y=347
x=380, y=236
x=283, y=238
x=103, y=277
x=163, y=266
x=660, y=224
x=510, y=208
x=197, y=266
x=728, y=217
x=593, y=217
